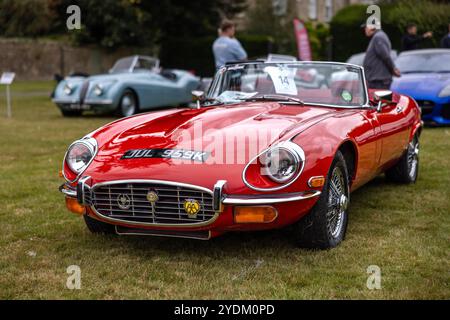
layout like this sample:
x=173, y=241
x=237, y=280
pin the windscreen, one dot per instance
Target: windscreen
x=314, y=83
x=424, y=62
x=123, y=65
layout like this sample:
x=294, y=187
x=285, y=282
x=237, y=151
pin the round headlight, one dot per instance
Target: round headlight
x=68, y=89
x=80, y=155
x=98, y=89
x=280, y=164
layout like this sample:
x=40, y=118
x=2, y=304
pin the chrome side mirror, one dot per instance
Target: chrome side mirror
x=197, y=96
x=383, y=97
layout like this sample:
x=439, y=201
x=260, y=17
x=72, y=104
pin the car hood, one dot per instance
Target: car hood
x=232, y=134
x=421, y=84
x=107, y=77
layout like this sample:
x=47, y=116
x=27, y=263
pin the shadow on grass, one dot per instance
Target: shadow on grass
x=230, y=245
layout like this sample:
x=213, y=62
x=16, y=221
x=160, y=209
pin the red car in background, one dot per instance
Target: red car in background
x=263, y=149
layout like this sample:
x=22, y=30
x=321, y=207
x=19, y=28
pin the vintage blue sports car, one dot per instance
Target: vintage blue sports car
x=134, y=84
x=426, y=78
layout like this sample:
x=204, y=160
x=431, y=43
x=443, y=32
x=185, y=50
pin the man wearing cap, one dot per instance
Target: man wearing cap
x=378, y=64
x=227, y=48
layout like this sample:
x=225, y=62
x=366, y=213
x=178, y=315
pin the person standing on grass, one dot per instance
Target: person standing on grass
x=445, y=42
x=378, y=64
x=410, y=40
x=227, y=48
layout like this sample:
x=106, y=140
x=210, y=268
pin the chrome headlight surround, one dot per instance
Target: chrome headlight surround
x=101, y=87
x=90, y=146
x=98, y=89
x=445, y=92
x=68, y=88
x=285, y=149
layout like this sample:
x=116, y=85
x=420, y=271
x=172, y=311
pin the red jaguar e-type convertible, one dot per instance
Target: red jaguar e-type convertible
x=267, y=147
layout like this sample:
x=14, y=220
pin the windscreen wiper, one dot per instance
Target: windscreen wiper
x=274, y=97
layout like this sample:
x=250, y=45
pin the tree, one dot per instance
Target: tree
x=114, y=23
x=26, y=18
x=181, y=18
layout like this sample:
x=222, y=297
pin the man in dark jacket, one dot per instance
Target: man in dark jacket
x=410, y=40
x=378, y=65
x=445, y=42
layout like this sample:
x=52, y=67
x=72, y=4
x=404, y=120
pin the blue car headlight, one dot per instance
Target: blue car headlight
x=68, y=88
x=98, y=89
x=102, y=87
x=445, y=92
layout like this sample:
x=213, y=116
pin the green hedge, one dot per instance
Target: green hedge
x=348, y=37
x=196, y=53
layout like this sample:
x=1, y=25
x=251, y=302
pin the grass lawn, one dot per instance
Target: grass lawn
x=405, y=230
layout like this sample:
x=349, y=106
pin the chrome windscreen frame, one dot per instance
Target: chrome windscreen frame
x=364, y=105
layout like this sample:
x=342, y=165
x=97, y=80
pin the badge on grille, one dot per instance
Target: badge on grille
x=124, y=201
x=192, y=207
x=152, y=197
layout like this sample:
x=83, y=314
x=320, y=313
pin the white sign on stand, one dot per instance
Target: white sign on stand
x=7, y=79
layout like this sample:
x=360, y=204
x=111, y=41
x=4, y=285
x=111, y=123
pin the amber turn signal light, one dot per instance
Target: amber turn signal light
x=73, y=206
x=263, y=214
x=316, y=182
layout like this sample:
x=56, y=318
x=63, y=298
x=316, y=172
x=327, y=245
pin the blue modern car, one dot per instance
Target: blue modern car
x=426, y=78
x=134, y=84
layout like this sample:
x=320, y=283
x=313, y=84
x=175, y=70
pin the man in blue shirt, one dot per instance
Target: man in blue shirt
x=227, y=48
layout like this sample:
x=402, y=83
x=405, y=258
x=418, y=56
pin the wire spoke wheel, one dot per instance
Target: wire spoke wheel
x=413, y=157
x=338, y=198
x=325, y=225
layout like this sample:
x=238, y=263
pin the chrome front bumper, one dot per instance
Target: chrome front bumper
x=68, y=191
x=218, y=195
x=86, y=102
x=276, y=198
x=85, y=195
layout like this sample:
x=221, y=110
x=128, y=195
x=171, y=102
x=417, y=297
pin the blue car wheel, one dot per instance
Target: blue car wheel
x=128, y=104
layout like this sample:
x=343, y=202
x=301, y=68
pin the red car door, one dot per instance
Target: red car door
x=393, y=132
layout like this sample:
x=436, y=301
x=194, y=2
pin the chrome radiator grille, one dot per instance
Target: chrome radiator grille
x=135, y=202
x=83, y=91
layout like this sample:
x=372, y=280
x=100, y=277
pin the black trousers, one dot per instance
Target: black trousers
x=380, y=84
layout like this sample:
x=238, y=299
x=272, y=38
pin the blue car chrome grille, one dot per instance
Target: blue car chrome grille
x=130, y=202
x=83, y=91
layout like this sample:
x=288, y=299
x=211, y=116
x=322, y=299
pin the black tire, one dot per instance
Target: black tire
x=71, y=113
x=407, y=168
x=128, y=104
x=325, y=226
x=96, y=226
